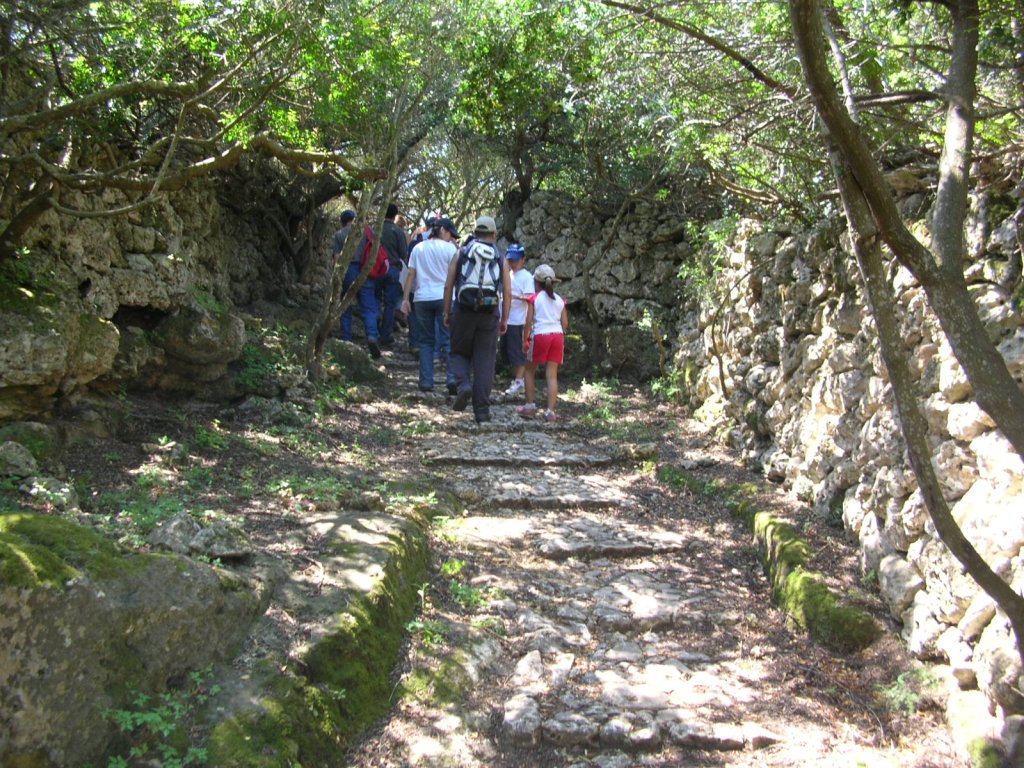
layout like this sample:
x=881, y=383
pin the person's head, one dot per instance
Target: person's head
x=347, y=217
x=391, y=212
x=485, y=229
x=445, y=229
x=516, y=256
x=544, y=277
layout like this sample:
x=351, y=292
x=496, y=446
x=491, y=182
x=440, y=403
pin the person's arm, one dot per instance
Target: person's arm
x=449, y=287
x=506, y=294
x=528, y=326
x=410, y=281
x=565, y=320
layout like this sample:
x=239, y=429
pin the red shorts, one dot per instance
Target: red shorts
x=548, y=348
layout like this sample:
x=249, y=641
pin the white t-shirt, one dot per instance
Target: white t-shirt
x=522, y=285
x=547, y=313
x=430, y=259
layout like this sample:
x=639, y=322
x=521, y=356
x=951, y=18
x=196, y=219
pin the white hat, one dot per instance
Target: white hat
x=485, y=225
x=544, y=272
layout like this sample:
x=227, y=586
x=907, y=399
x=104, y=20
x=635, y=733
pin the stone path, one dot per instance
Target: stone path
x=614, y=635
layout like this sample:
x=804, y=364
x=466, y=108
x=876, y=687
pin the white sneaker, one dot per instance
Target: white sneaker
x=517, y=386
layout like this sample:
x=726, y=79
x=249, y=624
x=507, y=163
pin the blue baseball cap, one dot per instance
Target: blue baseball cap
x=515, y=251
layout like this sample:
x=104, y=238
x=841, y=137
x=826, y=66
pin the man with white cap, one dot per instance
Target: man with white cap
x=477, y=301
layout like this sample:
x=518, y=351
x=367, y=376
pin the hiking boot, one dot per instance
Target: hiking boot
x=462, y=400
x=374, y=349
x=549, y=416
x=453, y=389
x=517, y=386
x=482, y=417
x=528, y=410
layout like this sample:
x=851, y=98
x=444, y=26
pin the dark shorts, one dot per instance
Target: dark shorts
x=513, y=343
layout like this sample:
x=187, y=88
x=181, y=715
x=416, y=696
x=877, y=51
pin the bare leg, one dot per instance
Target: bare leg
x=551, y=377
x=531, y=370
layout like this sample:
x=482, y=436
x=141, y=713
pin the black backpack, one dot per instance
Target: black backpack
x=478, y=287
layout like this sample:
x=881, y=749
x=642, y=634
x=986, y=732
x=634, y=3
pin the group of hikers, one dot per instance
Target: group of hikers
x=462, y=302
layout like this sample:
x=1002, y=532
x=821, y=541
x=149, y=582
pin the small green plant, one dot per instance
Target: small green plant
x=211, y=438
x=489, y=624
x=468, y=596
x=445, y=527
x=208, y=301
x=452, y=568
x=199, y=478
x=157, y=726
x=677, y=477
x=417, y=429
x=432, y=633
x=383, y=436
x=870, y=579
x=905, y=692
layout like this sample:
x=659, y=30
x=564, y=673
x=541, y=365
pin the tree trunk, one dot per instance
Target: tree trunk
x=868, y=216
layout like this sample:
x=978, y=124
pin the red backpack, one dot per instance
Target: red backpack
x=381, y=265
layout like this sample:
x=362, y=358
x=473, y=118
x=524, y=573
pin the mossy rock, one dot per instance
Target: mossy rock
x=38, y=550
x=809, y=604
x=355, y=362
x=308, y=714
x=985, y=753
x=42, y=441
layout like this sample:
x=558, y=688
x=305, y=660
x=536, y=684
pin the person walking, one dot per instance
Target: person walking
x=423, y=294
x=367, y=295
x=477, y=302
x=512, y=342
x=547, y=321
x=338, y=243
x=389, y=289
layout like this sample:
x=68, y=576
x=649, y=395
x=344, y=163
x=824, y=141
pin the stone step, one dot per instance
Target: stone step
x=531, y=488
x=556, y=537
x=532, y=448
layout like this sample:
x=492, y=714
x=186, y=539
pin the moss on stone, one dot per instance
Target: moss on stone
x=345, y=683
x=439, y=684
x=41, y=441
x=43, y=549
x=807, y=601
x=984, y=753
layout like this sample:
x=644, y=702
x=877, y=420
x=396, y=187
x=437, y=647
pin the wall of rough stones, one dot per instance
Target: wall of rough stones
x=783, y=357
x=153, y=299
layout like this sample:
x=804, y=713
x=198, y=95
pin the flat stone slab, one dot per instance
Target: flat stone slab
x=590, y=537
x=533, y=489
x=510, y=449
x=556, y=538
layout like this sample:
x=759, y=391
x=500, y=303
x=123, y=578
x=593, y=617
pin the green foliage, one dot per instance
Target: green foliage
x=271, y=354
x=157, y=726
x=208, y=302
x=679, y=478
x=904, y=694
x=452, y=568
x=431, y=633
x=210, y=438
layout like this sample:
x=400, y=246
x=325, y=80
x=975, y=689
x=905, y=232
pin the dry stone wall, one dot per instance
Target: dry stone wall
x=153, y=298
x=784, y=359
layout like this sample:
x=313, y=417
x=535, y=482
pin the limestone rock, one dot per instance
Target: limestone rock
x=16, y=460
x=898, y=582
